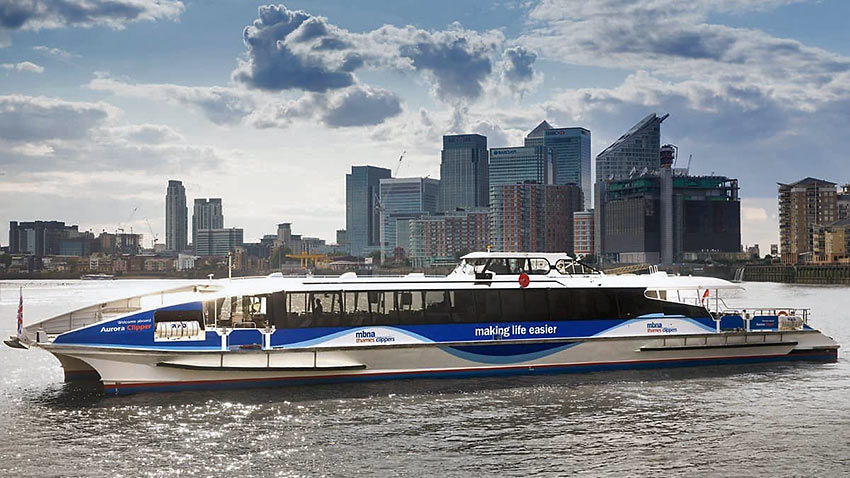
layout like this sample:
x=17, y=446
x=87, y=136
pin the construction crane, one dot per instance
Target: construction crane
x=398, y=166
x=154, y=237
x=129, y=218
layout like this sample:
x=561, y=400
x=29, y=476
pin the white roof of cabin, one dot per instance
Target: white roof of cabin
x=552, y=257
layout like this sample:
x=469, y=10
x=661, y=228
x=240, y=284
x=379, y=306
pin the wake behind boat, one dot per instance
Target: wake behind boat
x=496, y=313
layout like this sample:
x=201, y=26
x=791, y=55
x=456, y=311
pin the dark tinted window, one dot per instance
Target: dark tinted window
x=487, y=307
x=437, y=307
x=410, y=307
x=513, y=308
x=583, y=304
x=536, y=305
x=356, y=308
x=179, y=316
x=277, y=309
x=383, y=308
x=463, y=306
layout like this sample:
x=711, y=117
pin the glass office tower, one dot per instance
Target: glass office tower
x=362, y=221
x=463, y=172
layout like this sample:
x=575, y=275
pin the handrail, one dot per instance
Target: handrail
x=802, y=312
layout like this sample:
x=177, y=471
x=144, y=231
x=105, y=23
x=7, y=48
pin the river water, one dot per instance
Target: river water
x=757, y=420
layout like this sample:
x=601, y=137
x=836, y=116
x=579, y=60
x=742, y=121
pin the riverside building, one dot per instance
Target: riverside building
x=803, y=205
x=440, y=239
x=218, y=242
x=534, y=217
x=705, y=217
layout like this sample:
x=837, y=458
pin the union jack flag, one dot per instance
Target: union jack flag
x=21, y=315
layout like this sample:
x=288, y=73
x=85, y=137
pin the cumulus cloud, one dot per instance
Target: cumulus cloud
x=273, y=65
x=25, y=66
x=289, y=49
x=39, y=14
x=362, y=106
x=37, y=118
x=517, y=64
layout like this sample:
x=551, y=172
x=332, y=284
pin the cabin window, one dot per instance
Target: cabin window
x=383, y=308
x=487, y=306
x=512, y=306
x=410, y=307
x=536, y=305
x=463, y=306
x=179, y=316
x=538, y=266
x=299, y=315
x=325, y=309
x=276, y=306
x=633, y=303
x=357, y=308
x=583, y=304
x=437, y=307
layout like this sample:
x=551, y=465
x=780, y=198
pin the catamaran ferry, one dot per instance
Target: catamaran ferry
x=496, y=313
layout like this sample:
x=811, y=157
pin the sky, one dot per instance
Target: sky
x=268, y=105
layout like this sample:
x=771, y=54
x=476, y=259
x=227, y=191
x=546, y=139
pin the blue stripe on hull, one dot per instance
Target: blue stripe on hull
x=819, y=356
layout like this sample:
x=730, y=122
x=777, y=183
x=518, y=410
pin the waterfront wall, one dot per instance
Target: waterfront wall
x=798, y=274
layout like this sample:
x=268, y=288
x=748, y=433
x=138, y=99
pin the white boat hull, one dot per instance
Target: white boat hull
x=129, y=371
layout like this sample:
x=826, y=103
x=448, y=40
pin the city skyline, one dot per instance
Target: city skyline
x=171, y=91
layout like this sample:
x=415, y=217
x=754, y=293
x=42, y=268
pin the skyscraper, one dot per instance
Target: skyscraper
x=362, y=220
x=404, y=199
x=636, y=150
x=519, y=165
x=569, y=149
x=464, y=181
x=206, y=214
x=176, y=217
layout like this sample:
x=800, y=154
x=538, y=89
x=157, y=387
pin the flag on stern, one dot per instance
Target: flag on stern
x=21, y=314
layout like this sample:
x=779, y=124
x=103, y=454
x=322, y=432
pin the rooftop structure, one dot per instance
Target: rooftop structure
x=634, y=152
